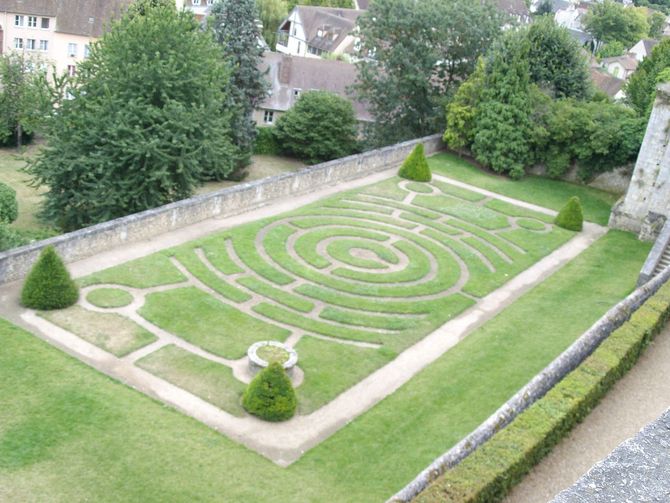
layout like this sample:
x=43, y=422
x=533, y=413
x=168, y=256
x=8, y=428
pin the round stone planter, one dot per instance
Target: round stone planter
x=257, y=363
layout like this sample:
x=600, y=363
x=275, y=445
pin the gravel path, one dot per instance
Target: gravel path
x=639, y=398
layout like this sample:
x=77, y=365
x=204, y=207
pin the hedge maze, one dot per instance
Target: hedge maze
x=349, y=282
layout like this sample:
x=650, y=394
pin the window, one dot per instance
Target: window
x=45, y=23
x=299, y=47
x=18, y=20
x=72, y=49
x=44, y=45
x=314, y=50
x=196, y=2
x=32, y=21
x=71, y=70
x=87, y=51
x=30, y=44
x=18, y=43
x=268, y=117
x=210, y=2
x=296, y=92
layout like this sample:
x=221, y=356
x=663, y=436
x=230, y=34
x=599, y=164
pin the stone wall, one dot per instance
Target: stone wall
x=646, y=205
x=567, y=361
x=637, y=470
x=77, y=245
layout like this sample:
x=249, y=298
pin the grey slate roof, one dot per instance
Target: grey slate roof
x=287, y=73
x=514, y=7
x=326, y=27
x=636, y=471
x=627, y=61
x=609, y=84
x=88, y=18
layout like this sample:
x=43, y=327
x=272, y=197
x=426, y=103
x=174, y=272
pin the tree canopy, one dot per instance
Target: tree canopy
x=613, y=22
x=147, y=121
x=641, y=86
x=414, y=54
x=321, y=126
x=235, y=28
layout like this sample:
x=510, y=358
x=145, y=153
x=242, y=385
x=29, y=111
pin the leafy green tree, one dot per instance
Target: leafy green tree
x=556, y=61
x=235, y=28
x=613, y=22
x=321, y=126
x=660, y=5
x=657, y=22
x=641, y=86
x=272, y=13
x=25, y=97
x=413, y=55
x=503, y=125
x=544, y=8
x=344, y=4
x=611, y=50
x=462, y=110
x=49, y=285
x=147, y=123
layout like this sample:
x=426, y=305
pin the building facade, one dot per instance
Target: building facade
x=56, y=32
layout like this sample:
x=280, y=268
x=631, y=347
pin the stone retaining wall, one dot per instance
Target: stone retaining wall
x=566, y=362
x=77, y=245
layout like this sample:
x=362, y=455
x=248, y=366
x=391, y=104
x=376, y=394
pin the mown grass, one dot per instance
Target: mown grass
x=84, y=437
x=109, y=297
x=542, y=191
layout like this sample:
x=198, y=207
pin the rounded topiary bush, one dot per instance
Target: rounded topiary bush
x=270, y=395
x=49, y=285
x=9, y=208
x=415, y=167
x=571, y=216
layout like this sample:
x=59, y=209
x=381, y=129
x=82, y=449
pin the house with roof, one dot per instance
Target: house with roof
x=609, y=84
x=290, y=76
x=517, y=9
x=643, y=48
x=200, y=8
x=58, y=32
x=317, y=31
x=621, y=67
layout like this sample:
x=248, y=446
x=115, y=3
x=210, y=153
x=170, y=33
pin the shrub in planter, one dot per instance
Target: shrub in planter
x=270, y=395
x=9, y=208
x=49, y=285
x=415, y=167
x=571, y=216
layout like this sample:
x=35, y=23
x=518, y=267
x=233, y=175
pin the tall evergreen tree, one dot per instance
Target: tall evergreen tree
x=236, y=29
x=641, y=86
x=147, y=121
x=503, y=126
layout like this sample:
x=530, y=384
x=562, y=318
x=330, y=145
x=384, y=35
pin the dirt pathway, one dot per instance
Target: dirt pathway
x=639, y=398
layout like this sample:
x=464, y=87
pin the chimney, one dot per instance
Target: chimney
x=285, y=69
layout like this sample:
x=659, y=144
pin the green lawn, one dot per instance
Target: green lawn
x=533, y=189
x=70, y=434
x=341, y=268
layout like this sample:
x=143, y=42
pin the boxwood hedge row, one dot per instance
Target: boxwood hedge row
x=491, y=471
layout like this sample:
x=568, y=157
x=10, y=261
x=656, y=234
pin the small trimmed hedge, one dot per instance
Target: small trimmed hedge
x=49, y=285
x=491, y=471
x=415, y=167
x=9, y=207
x=266, y=142
x=270, y=395
x=571, y=216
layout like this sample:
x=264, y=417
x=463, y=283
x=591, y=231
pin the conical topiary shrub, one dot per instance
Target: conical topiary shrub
x=571, y=216
x=415, y=167
x=270, y=395
x=49, y=285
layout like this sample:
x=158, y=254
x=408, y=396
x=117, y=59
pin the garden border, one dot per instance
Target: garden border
x=83, y=243
x=539, y=386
